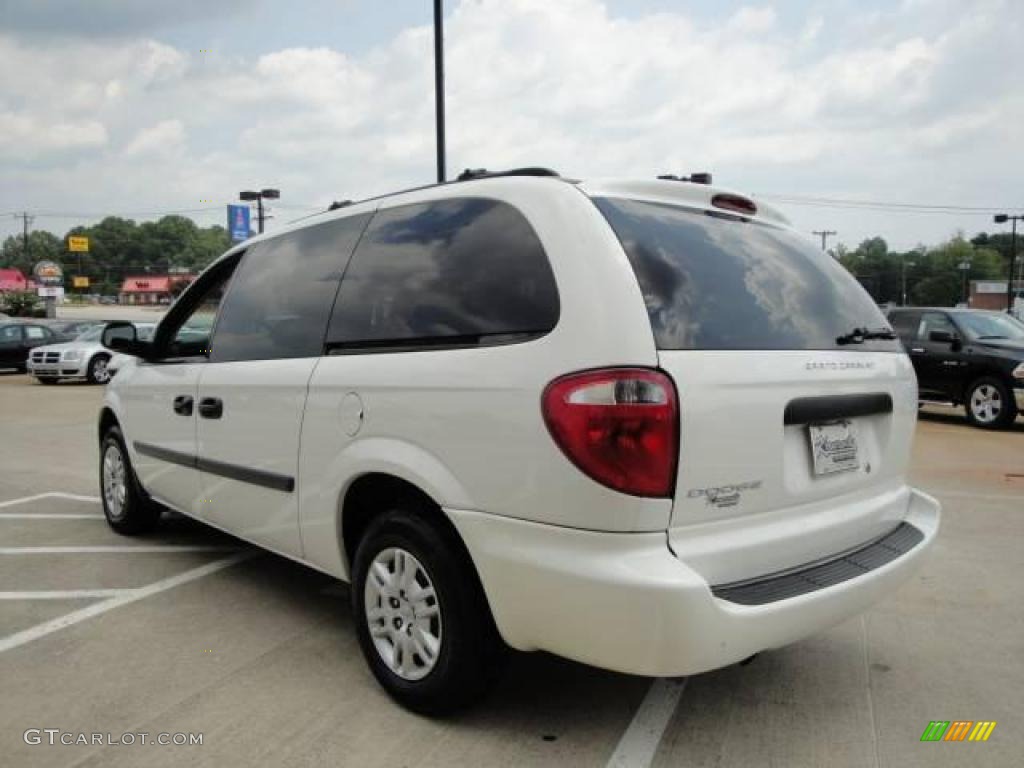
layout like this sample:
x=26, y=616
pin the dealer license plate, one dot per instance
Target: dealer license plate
x=834, y=447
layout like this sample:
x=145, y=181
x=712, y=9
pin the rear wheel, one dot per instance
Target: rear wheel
x=98, y=373
x=990, y=404
x=127, y=508
x=422, y=619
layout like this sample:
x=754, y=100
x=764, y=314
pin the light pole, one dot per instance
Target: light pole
x=964, y=266
x=903, y=277
x=439, y=85
x=259, y=197
x=1002, y=218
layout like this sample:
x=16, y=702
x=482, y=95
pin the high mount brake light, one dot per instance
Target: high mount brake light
x=619, y=426
x=735, y=203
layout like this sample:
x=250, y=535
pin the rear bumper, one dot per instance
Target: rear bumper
x=625, y=602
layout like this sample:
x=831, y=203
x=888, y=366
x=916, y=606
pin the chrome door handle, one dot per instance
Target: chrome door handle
x=916, y=349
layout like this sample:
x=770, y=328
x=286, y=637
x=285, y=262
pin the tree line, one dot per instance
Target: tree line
x=934, y=276
x=120, y=247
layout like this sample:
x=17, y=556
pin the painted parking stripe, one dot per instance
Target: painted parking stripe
x=106, y=549
x=49, y=495
x=129, y=596
x=48, y=516
x=64, y=594
x=639, y=743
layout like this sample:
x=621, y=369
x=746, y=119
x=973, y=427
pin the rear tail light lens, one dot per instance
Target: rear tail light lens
x=620, y=426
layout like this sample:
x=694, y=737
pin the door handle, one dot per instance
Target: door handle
x=183, y=405
x=211, y=407
x=916, y=349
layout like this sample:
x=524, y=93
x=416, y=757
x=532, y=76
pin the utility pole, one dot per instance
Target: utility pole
x=25, y=221
x=439, y=85
x=824, y=234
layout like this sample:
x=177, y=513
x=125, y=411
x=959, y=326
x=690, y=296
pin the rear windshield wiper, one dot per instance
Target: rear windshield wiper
x=860, y=335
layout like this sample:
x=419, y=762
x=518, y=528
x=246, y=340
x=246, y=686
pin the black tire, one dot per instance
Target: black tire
x=97, y=371
x=1001, y=408
x=138, y=513
x=46, y=379
x=471, y=651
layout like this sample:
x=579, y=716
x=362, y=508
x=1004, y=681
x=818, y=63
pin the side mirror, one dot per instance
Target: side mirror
x=942, y=337
x=121, y=336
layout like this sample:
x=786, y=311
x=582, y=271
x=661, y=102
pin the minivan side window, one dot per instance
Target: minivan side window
x=282, y=293
x=456, y=272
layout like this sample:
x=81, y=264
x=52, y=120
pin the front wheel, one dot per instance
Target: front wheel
x=125, y=505
x=422, y=620
x=990, y=404
x=98, y=373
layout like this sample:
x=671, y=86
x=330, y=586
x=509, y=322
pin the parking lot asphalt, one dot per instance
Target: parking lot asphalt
x=191, y=631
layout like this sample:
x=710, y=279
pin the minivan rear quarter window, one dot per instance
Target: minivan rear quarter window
x=463, y=271
x=715, y=282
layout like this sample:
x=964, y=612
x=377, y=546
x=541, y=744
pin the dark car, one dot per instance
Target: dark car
x=966, y=356
x=16, y=339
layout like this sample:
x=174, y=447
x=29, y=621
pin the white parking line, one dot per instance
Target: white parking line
x=49, y=495
x=114, y=549
x=66, y=594
x=48, y=516
x=639, y=743
x=128, y=596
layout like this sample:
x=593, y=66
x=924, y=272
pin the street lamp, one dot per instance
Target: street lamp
x=903, y=277
x=964, y=266
x=259, y=197
x=1002, y=218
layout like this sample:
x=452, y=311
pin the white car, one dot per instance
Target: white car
x=640, y=424
x=83, y=358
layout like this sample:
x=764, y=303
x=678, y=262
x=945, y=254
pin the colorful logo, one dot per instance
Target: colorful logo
x=958, y=730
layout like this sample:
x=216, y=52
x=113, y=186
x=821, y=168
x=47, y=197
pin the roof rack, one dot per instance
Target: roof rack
x=693, y=178
x=482, y=173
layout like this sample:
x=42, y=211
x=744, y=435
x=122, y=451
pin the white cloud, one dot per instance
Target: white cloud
x=166, y=136
x=908, y=103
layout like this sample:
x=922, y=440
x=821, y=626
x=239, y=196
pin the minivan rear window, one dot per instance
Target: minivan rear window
x=718, y=282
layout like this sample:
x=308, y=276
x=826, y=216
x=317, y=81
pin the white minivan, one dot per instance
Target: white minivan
x=640, y=424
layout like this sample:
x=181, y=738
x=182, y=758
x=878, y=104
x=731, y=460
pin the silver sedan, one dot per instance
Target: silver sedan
x=84, y=358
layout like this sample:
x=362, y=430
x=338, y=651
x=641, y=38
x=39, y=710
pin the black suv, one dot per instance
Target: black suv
x=966, y=356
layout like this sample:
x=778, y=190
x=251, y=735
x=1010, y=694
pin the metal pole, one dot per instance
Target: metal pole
x=1013, y=258
x=903, y=281
x=259, y=212
x=439, y=86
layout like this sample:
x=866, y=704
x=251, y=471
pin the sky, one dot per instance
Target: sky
x=143, y=108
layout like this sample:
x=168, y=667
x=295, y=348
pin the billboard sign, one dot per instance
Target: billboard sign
x=238, y=222
x=78, y=244
x=80, y=281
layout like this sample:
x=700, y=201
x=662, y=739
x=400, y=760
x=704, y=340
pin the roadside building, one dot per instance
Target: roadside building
x=153, y=289
x=991, y=294
x=12, y=280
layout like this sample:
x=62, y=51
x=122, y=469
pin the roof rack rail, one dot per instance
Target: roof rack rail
x=693, y=178
x=483, y=173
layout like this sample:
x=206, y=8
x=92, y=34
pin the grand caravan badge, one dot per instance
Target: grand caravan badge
x=723, y=496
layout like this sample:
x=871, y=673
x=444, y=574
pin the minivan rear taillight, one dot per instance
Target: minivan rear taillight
x=620, y=426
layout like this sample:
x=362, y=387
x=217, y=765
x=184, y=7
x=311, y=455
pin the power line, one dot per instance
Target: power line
x=825, y=234
x=832, y=202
